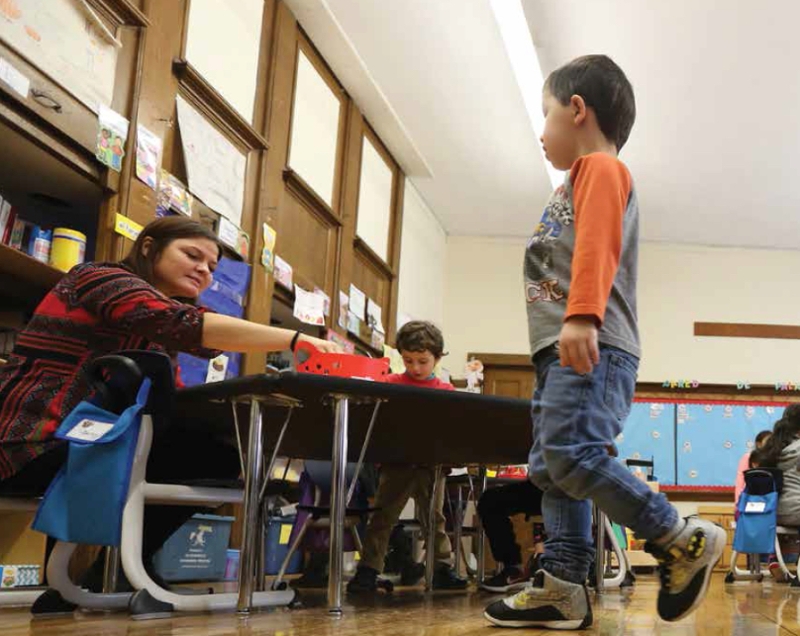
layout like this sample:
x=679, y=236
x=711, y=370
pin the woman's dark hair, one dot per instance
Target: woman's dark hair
x=605, y=89
x=162, y=232
x=420, y=336
x=784, y=433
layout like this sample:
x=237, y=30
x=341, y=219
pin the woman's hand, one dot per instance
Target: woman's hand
x=325, y=346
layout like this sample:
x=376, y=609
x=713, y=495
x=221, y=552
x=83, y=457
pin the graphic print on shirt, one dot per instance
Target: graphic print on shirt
x=558, y=214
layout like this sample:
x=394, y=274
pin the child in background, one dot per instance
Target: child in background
x=495, y=507
x=782, y=450
x=422, y=346
x=744, y=465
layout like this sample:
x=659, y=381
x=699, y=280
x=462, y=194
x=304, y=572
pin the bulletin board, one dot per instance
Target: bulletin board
x=694, y=444
x=649, y=433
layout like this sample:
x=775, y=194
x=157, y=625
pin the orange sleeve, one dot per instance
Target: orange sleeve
x=601, y=186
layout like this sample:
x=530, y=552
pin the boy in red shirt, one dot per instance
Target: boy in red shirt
x=421, y=345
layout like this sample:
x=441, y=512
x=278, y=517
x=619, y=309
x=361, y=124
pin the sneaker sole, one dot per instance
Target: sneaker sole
x=565, y=625
x=499, y=589
x=719, y=547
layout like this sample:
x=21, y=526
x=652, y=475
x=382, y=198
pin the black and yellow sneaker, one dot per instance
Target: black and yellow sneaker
x=685, y=566
x=546, y=602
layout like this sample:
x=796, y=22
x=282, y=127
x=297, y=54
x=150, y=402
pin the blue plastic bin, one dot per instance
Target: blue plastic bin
x=279, y=530
x=197, y=551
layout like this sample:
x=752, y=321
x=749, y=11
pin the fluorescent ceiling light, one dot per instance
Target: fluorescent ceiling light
x=517, y=39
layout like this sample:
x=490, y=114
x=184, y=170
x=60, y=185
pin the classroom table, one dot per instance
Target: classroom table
x=322, y=415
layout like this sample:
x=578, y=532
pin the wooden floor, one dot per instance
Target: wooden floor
x=745, y=609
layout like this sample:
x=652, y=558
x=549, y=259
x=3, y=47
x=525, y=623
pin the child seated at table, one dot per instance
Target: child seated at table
x=495, y=507
x=421, y=345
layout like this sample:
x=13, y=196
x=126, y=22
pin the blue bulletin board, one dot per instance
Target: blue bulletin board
x=649, y=433
x=711, y=439
x=694, y=444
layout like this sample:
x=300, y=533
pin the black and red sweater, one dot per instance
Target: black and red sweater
x=96, y=309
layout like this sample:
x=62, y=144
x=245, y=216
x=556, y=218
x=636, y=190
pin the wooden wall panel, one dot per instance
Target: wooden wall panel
x=312, y=248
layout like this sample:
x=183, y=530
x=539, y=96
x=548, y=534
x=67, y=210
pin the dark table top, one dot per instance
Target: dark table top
x=414, y=425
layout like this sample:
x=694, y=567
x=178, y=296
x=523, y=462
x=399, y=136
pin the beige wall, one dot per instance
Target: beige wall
x=678, y=285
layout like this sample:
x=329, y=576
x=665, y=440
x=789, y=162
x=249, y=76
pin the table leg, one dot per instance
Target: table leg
x=430, y=542
x=480, y=535
x=600, y=550
x=458, y=523
x=338, y=494
x=251, y=508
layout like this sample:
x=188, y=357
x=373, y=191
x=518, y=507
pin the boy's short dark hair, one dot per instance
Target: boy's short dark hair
x=604, y=88
x=420, y=336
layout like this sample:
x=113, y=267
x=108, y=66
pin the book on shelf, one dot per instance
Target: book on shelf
x=6, y=237
x=5, y=214
x=18, y=233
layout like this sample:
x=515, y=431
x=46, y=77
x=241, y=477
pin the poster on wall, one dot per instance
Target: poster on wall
x=215, y=167
x=67, y=42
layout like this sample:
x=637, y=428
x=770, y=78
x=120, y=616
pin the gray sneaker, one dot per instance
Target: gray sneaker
x=685, y=566
x=547, y=602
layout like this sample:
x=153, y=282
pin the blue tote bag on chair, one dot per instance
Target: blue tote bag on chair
x=758, y=520
x=85, y=501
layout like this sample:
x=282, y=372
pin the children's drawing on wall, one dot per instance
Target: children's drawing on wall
x=111, y=136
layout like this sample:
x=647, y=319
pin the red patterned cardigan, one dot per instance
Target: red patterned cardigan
x=97, y=308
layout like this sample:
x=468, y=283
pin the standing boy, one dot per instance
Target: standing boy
x=580, y=287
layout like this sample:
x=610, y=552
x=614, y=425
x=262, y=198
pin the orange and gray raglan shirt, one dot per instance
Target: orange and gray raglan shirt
x=582, y=257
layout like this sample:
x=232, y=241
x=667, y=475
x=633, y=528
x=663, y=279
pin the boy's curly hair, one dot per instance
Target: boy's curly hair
x=420, y=336
x=605, y=89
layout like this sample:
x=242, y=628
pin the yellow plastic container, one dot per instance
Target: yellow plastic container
x=68, y=250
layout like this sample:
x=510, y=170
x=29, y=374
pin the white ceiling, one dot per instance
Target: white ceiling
x=715, y=151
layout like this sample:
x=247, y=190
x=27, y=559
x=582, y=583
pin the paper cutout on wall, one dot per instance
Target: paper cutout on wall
x=111, y=136
x=375, y=316
x=309, y=307
x=148, y=156
x=270, y=237
x=358, y=302
x=172, y=196
x=283, y=272
x=215, y=167
x=344, y=308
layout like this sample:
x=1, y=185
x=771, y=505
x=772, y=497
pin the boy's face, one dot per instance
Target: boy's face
x=419, y=364
x=559, y=136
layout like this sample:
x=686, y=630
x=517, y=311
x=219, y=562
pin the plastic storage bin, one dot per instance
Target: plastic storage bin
x=197, y=551
x=279, y=532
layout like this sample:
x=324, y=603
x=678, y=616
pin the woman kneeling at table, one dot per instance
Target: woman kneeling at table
x=146, y=302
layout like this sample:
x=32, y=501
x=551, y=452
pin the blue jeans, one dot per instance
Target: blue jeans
x=576, y=419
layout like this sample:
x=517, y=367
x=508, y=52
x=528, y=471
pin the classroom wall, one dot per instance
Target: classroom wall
x=422, y=262
x=678, y=285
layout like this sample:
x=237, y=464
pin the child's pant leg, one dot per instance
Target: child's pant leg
x=423, y=488
x=496, y=506
x=575, y=420
x=395, y=487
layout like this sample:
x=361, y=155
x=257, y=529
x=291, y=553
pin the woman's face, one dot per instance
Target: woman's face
x=185, y=266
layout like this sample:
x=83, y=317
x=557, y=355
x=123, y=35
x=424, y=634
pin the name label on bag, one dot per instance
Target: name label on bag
x=89, y=430
x=755, y=506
